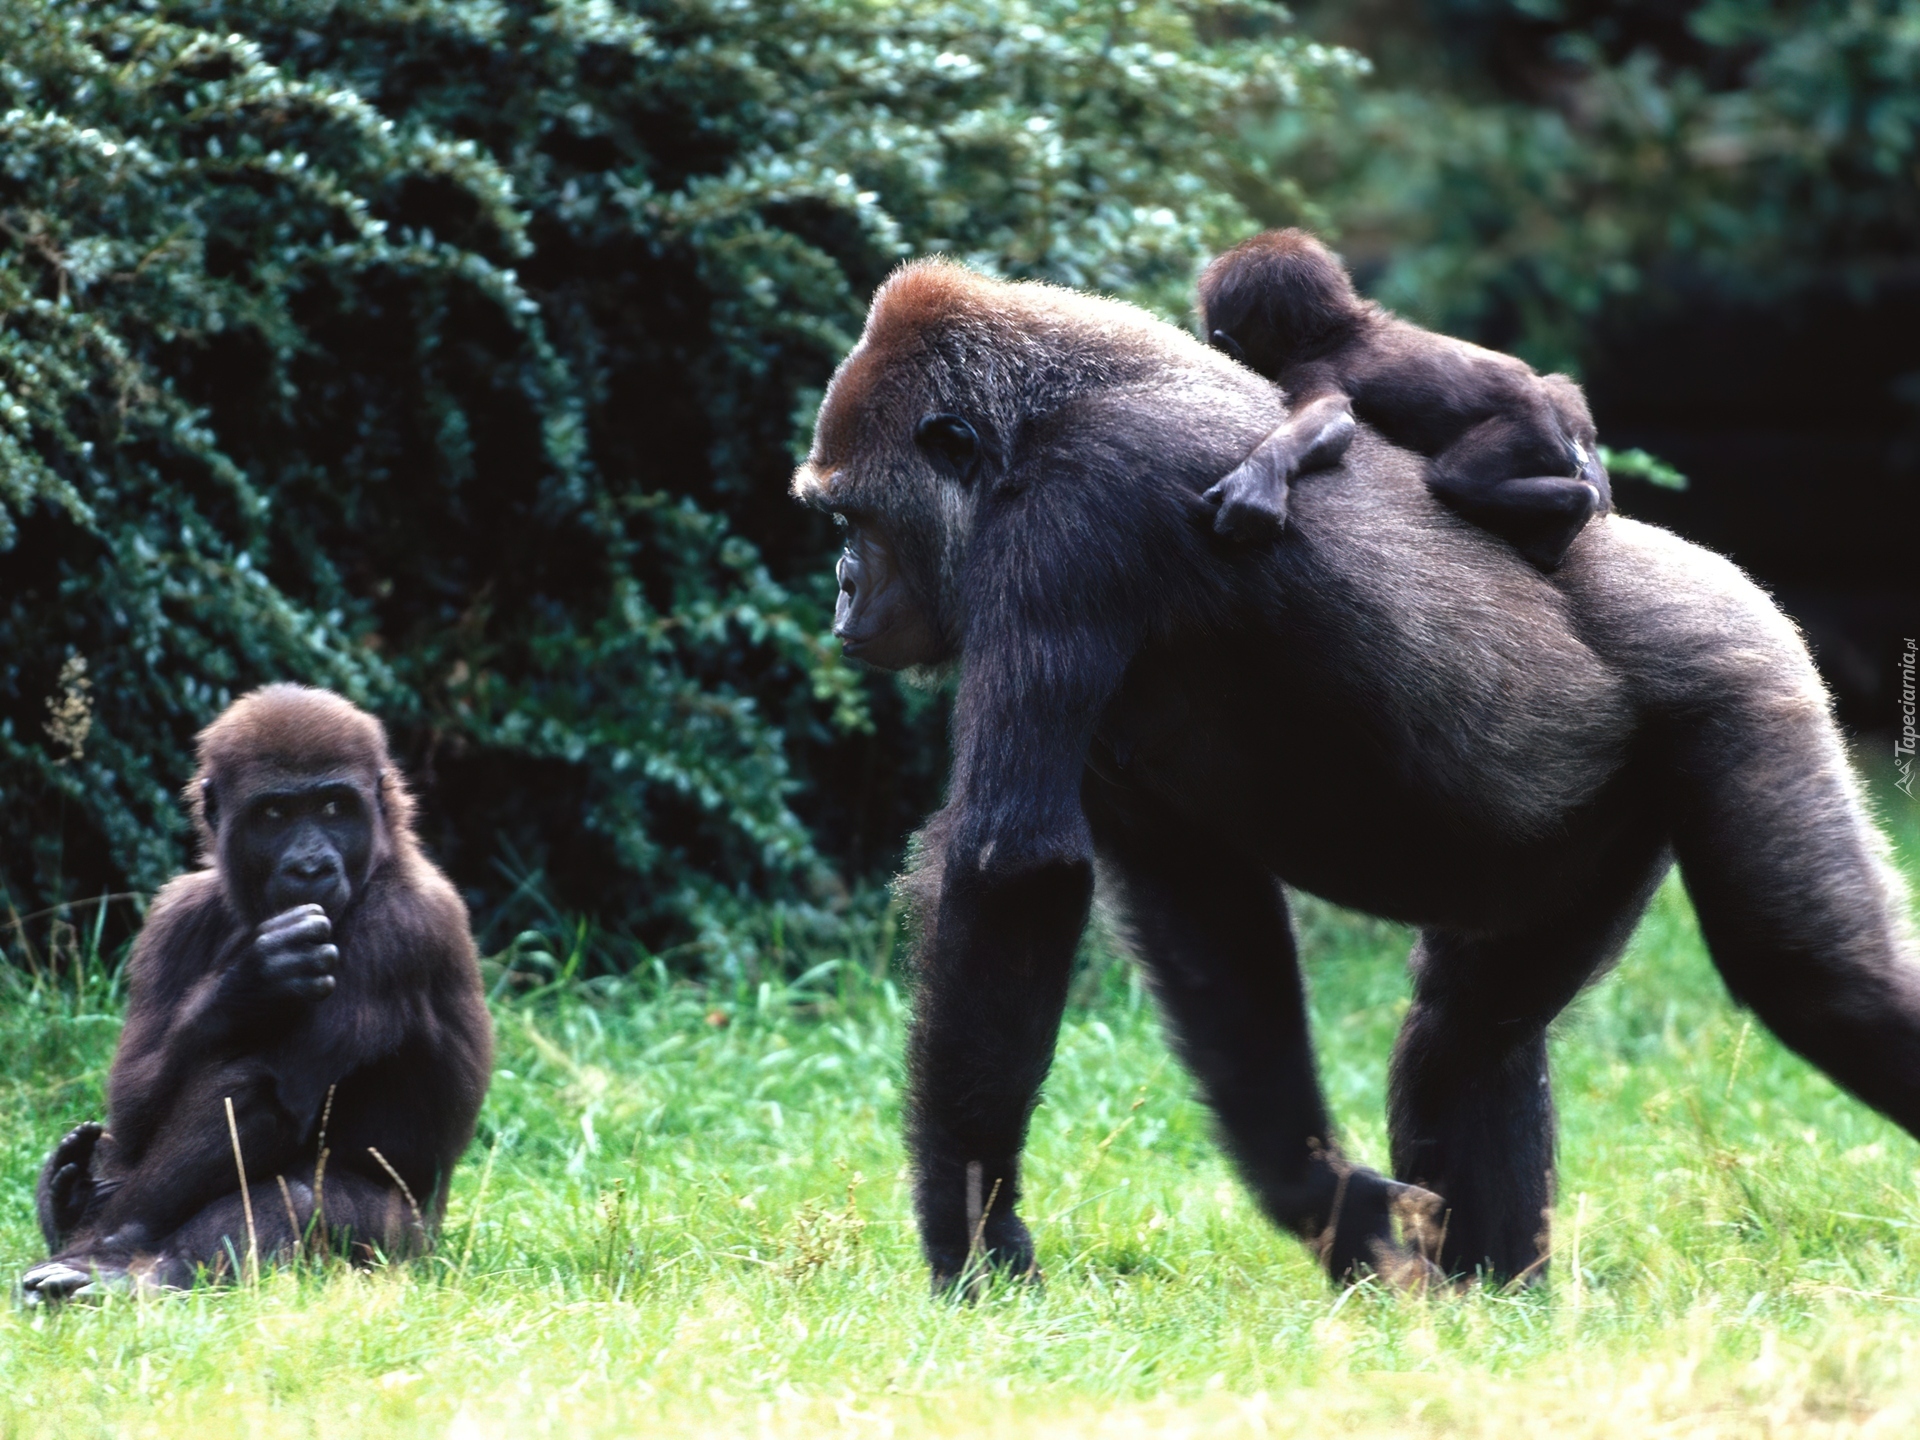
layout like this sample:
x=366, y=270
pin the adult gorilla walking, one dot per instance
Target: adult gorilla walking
x=1387, y=707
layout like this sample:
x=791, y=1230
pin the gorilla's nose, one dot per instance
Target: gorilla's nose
x=310, y=866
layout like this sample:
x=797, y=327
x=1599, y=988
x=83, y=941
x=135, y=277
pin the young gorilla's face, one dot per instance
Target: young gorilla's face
x=301, y=842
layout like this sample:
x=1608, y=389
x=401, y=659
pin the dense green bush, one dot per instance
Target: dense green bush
x=1518, y=167
x=453, y=354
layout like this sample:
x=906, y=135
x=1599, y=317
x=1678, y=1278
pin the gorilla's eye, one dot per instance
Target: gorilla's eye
x=949, y=438
x=331, y=808
x=1221, y=340
x=274, y=812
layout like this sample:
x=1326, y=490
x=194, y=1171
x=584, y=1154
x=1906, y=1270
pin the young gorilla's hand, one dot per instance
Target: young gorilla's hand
x=67, y=1186
x=291, y=958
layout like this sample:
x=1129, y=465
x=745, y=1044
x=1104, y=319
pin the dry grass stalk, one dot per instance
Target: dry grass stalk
x=246, y=1199
x=977, y=1211
x=293, y=1215
x=418, y=1219
x=320, y=1171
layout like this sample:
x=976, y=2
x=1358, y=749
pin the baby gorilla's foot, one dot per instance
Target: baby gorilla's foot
x=1539, y=515
x=1546, y=540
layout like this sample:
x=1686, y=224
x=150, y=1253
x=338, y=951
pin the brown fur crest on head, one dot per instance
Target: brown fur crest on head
x=284, y=732
x=941, y=337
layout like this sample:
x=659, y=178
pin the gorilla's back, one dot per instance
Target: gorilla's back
x=1423, y=707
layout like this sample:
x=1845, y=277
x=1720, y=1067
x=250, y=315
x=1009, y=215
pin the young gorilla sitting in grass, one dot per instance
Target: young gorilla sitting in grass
x=306, y=1008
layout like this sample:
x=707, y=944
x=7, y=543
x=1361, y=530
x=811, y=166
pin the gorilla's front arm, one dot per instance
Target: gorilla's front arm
x=1005, y=871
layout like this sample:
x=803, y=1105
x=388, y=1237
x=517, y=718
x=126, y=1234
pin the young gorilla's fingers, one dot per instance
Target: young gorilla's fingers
x=70, y=1187
x=306, y=974
x=308, y=987
x=302, y=924
x=67, y=1187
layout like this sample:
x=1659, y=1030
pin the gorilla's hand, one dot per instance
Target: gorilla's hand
x=292, y=957
x=1360, y=1235
x=69, y=1185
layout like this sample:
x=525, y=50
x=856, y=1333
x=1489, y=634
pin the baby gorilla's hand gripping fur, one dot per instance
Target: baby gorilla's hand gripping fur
x=1250, y=502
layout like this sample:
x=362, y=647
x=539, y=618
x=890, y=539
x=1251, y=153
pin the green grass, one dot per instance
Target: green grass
x=686, y=1214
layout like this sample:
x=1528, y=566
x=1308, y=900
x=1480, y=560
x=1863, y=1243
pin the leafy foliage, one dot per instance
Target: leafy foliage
x=1521, y=166
x=453, y=354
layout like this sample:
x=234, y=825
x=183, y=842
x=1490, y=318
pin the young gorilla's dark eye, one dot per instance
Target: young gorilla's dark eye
x=949, y=438
x=274, y=812
x=331, y=808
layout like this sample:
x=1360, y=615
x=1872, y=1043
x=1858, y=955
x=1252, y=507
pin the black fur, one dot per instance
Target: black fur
x=1512, y=450
x=319, y=961
x=1385, y=707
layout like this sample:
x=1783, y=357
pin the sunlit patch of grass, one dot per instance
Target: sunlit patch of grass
x=686, y=1213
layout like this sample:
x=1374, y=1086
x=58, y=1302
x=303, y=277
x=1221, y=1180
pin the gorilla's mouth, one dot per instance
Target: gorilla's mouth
x=328, y=891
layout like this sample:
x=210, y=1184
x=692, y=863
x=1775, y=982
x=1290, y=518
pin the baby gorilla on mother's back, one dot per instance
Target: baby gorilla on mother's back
x=1513, y=451
x=311, y=997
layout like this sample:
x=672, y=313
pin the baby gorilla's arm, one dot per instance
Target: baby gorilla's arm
x=1251, y=500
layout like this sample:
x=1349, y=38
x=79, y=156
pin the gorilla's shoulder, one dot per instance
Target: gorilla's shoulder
x=195, y=896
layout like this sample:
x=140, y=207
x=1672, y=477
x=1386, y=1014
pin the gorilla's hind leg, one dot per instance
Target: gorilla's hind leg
x=1470, y=1102
x=1806, y=919
x=1214, y=935
x=360, y=1219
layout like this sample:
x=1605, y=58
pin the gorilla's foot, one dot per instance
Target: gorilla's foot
x=53, y=1281
x=1004, y=1251
x=1385, y=1228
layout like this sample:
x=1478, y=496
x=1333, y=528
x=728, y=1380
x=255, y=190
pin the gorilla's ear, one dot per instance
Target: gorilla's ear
x=951, y=441
x=1221, y=340
x=208, y=807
